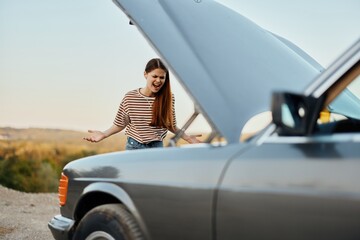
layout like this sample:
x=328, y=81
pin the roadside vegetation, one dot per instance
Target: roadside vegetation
x=31, y=160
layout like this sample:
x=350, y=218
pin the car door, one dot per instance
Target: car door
x=293, y=190
x=305, y=186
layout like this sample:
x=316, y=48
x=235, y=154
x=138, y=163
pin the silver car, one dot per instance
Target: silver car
x=298, y=178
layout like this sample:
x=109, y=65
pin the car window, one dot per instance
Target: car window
x=348, y=102
x=342, y=113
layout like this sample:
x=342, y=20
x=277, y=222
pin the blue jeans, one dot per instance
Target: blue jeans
x=132, y=144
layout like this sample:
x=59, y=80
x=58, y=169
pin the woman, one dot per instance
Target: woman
x=147, y=113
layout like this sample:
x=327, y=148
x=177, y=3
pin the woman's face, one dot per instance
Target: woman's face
x=155, y=79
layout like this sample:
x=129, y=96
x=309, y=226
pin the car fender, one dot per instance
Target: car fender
x=120, y=194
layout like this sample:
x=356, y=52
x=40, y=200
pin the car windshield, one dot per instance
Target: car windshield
x=347, y=104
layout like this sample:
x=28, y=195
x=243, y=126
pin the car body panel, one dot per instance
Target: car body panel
x=216, y=52
x=292, y=191
x=173, y=177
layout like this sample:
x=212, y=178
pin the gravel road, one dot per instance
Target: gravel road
x=25, y=215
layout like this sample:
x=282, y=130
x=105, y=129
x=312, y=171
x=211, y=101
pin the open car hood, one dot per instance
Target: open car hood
x=228, y=64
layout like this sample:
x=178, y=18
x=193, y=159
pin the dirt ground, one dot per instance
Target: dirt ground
x=25, y=215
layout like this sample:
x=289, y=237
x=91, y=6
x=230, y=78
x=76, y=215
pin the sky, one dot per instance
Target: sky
x=67, y=64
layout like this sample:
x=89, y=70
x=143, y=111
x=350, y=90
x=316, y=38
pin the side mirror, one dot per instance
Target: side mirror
x=294, y=114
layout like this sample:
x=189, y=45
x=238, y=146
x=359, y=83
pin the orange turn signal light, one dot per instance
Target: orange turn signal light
x=63, y=188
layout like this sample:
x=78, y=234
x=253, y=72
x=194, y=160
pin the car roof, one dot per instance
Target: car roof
x=228, y=64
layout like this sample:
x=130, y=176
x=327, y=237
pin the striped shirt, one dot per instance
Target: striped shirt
x=135, y=113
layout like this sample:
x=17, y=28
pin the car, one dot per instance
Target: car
x=297, y=178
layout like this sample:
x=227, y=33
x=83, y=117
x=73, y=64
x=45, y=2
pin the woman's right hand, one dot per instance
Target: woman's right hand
x=96, y=136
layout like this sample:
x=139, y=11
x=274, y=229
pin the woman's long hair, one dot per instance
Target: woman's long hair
x=162, y=112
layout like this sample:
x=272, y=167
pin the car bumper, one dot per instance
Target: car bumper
x=61, y=227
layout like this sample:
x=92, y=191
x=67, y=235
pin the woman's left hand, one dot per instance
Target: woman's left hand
x=193, y=139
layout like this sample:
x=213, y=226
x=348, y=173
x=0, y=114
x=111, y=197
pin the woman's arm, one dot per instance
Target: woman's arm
x=97, y=136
